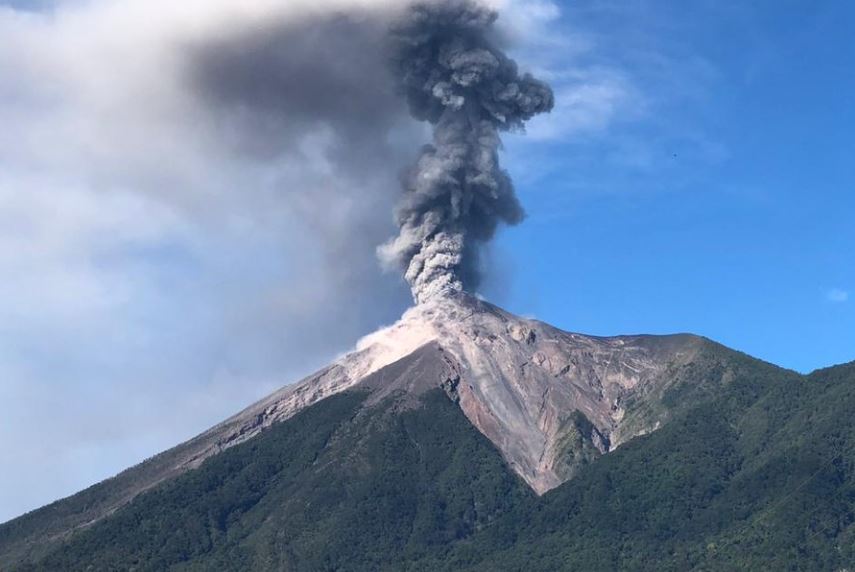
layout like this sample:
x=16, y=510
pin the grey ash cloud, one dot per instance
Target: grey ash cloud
x=361, y=78
x=454, y=76
x=276, y=84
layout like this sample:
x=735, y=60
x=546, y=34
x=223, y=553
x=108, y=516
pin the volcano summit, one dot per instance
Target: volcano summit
x=548, y=400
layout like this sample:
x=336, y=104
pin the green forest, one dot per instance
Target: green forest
x=757, y=474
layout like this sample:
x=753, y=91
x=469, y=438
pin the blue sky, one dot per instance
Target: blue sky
x=724, y=208
x=163, y=266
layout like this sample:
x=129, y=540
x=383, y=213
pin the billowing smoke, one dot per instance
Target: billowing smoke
x=454, y=76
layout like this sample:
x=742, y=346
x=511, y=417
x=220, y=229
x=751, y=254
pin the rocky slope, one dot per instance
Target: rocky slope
x=550, y=401
x=529, y=387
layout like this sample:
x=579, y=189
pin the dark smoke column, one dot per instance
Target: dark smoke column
x=456, y=195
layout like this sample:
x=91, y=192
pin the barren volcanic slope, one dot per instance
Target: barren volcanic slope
x=442, y=431
x=522, y=383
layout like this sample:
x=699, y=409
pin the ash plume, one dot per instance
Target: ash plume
x=455, y=77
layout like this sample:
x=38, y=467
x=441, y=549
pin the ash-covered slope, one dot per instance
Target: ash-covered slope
x=549, y=400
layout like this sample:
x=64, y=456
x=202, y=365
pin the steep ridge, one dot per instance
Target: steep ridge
x=550, y=401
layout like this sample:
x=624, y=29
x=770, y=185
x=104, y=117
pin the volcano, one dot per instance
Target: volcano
x=522, y=383
x=465, y=437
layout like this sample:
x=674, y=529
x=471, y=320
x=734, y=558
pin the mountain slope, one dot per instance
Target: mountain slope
x=540, y=404
x=757, y=474
x=344, y=483
x=760, y=476
x=551, y=401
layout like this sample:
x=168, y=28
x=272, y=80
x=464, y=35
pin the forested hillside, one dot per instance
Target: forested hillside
x=756, y=474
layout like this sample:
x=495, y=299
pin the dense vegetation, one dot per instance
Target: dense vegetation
x=756, y=474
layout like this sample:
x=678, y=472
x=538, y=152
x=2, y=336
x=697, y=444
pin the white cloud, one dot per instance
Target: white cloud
x=158, y=274
x=585, y=105
x=837, y=296
x=590, y=94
